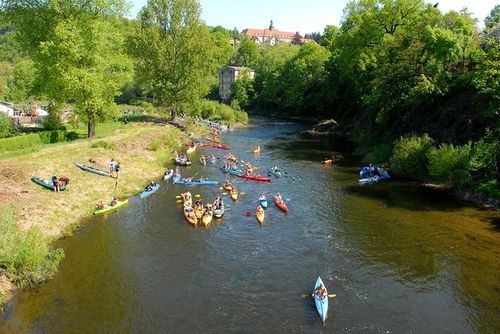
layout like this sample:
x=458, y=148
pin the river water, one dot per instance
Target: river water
x=401, y=258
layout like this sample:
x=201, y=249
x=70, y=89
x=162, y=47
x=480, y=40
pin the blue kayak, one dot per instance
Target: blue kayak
x=263, y=203
x=235, y=171
x=146, y=193
x=195, y=182
x=321, y=302
x=276, y=173
x=176, y=178
x=375, y=178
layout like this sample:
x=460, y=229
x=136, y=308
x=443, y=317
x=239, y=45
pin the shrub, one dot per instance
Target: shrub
x=6, y=128
x=102, y=144
x=26, y=256
x=410, y=155
x=451, y=165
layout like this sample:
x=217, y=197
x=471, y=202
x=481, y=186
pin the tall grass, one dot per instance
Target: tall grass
x=25, y=255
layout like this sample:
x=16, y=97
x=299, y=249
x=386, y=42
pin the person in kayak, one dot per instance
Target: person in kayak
x=321, y=292
x=198, y=202
x=217, y=202
x=114, y=201
x=101, y=205
x=275, y=169
x=262, y=198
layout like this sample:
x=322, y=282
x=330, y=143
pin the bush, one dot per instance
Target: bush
x=102, y=144
x=410, y=155
x=451, y=165
x=6, y=128
x=26, y=256
x=216, y=111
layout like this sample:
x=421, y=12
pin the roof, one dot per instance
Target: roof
x=239, y=68
x=269, y=33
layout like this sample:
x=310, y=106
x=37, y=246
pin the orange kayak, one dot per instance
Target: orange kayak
x=260, y=215
x=227, y=187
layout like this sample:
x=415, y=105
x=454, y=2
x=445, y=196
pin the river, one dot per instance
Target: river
x=399, y=257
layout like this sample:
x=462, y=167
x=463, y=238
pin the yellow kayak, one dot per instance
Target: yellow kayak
x=260, y=215
x=256, y=149
x=190, y=216
x=207, y=218
x=191, y=148
x=187, y=199
x=234, y=194
x=198, y=211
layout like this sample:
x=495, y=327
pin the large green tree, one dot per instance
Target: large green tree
x=77, y=52
x=174, y=52
x=247, y=53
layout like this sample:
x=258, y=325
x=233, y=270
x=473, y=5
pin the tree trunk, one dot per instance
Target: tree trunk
x=91, y=127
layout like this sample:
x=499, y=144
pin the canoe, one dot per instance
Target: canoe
x=190, y=216
x=280, y=204
x=92, y=169
x=47, y=184
x=185, y=199
x=227, y=187
x=218, y=213
x=263, y=203
x=198, y=211
x=195, y=182
x=231, y=158
x=321, y=302
x=168, y=174
x=120, y=204
x=191, y=148
x=277, y=174
x=234, y=194
x=182, y=162
x=207, y=218
x=147, y=193
x=256, y=149
x=235, y=171
x=255, y=177
x=259, y=214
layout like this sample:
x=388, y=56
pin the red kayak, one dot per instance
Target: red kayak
x=280, y=204
x=223, y=147
x=255, y=177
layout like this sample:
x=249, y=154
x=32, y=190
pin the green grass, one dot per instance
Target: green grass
x=25, y=255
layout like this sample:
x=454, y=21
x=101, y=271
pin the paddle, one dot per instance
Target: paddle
x=306, y=295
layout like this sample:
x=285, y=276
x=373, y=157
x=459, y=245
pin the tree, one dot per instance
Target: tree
x=493, y=18
x=174, y=52
x=20, y=88
x=76, y=52
x=242, y=90
x=247, y=54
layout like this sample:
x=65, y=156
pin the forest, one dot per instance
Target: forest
x=415, y=88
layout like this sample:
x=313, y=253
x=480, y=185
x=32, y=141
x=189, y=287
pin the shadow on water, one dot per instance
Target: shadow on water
x=495, y=223
x=415, y=199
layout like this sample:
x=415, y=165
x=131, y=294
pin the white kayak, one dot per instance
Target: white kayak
x=321, y=302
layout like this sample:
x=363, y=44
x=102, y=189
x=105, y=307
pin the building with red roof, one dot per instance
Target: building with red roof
x=272, y=36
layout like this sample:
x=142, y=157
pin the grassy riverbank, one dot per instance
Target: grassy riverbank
x=32, y=217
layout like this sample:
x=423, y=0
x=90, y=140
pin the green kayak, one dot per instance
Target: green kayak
x=111, y=208
x=276, y=173
x=45, y=183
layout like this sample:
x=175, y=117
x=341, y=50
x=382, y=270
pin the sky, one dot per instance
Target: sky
x=304, y=16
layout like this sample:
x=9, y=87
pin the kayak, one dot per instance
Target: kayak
x=256, y=149
x=182, y=162
x=92, y=169
x=191, y=148
x=224, y=169
x=234, y=194
x=280, y=204
x=111, y=208
x=212, y=160
x=147, y=193
x=45, y=183
x=218, y=213
x=207, y=218
x=168, y=174
x=223, y=147
x=255, y=177
x=190, y=216
x=196, y=140
x=198, y=211
x=195, y=182
x=213, y=140
x=276, y=173
x=187, y=199
x=259, y=214
x=321, y=302
x=328, y=162
x=227, y=187
x=263, y=203
x=231, y=158
x=235, y=171
x=203, y=161
x=176, y=178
